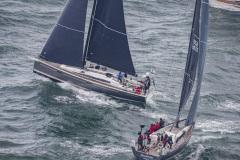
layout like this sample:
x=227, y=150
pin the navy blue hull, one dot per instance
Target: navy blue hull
x=59, y=75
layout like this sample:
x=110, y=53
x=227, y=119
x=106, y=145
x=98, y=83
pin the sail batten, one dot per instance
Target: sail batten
x=69, y=28
x=107, y=42
x=65, y=44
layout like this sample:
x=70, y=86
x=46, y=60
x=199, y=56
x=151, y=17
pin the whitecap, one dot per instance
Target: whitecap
x=106, y=150
x=219, y=126
x=195, y=155
x=87, y=96
x=197, y=139
x=229, y=105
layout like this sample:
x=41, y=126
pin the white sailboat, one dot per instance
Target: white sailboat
x=65, y=59
x=179, y=132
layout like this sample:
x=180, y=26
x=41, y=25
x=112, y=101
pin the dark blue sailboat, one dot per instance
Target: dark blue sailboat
x=65, y=59
x=180, y=131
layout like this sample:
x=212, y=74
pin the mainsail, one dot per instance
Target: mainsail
x=107, y=42
x=192, y=60
x=203, y=45
x=65, y=44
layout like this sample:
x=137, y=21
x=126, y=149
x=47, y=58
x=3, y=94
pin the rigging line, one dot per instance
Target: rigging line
x=171, y=63
x=109, y=27
x=89, y=31
x=189, y=77
x=141, y=26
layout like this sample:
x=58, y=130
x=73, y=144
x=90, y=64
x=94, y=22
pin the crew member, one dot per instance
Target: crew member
x=161, y=123
x=125, y=75
x=140, y=141
x=169, y=141
x=147, y=84
x=137, y=89
x=120, y=75
x=164, y=140
x=146, y=139
x=162, y=134
x=152, y=128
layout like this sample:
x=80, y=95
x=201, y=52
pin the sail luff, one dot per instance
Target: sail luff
x=89, y=31
x=203, y=45
x=192, y=59
x=65, y=44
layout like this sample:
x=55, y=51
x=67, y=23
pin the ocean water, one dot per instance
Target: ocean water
x=43, y=120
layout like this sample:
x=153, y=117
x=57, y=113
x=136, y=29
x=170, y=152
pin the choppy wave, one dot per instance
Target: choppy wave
x=41, y=119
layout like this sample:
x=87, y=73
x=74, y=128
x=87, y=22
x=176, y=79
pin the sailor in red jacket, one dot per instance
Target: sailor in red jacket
x=157, y=126
x=137, y=89
x=152, y=128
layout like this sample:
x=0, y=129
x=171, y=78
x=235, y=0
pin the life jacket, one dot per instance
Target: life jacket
x=157, y=126
x=138, y=90
x=153, y=127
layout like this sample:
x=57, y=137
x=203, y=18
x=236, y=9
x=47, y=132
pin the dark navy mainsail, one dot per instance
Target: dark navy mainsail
x=65, y=44
x=203, y=44
x=192, y=60
x=107, y=42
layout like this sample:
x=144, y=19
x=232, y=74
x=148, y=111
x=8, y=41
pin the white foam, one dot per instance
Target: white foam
x=108, y=150
x=69, y=144
x=228, y=105
x=195, y=155
x=221, y=5
x=219, y=126
x=87, y=96
x=64, y=99
x=197, y=139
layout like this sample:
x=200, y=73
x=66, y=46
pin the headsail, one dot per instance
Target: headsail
x=65, y=44
x=203, y=45
x=192, y=60
x=107, y=42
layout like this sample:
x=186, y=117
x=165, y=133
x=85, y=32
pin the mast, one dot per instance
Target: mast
x=191, y=63
x=65, y=44
x=203, y=45
x=89, y=32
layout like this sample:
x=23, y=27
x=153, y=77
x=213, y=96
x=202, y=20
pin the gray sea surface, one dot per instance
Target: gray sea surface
x=44, y=120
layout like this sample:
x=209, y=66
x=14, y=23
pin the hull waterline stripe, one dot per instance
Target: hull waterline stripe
x=69, y=28
x=109, y=28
